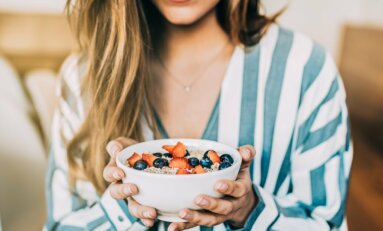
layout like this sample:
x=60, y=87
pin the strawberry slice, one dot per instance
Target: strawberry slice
x=179, y=162
x=168, y=148
x=182, y=171
x=179, y=150
x=199, y=169
x=133, y=159
x=213, y=156
x=149, y=158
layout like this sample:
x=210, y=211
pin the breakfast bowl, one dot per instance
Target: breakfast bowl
x=169, y=193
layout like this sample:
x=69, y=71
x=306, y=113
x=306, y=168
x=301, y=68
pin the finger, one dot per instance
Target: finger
x=235, y=189
x=181, y=226
x=141, y=211
x=148, y=222
x=112, y=173
x=115, y=146
x=201, y=217
x=219, y=206
x=122, y=191
x=247, y=152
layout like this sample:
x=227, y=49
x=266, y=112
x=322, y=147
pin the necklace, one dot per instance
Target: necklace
x=188, y=87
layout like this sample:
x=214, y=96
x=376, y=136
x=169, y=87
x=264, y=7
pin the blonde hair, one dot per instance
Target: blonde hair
x=116, y=37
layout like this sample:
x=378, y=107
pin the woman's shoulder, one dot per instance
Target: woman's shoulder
x=72, y=73
x=292, y=52
x=69, y=88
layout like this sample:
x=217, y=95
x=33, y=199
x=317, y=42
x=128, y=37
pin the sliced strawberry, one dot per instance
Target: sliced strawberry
x=133, y=159
x=179, y=162
x=182, y=171
x=168, y=148
x=199, y=169
x=213, y=156
x=179, y=150
x=149, y=158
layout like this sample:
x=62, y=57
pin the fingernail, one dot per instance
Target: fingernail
x=222, y=187
x=184, y=214
x=133, y=189
x=246, y=153
x=116, y=176
x=127, y=191
x=147, y=214
x=202, y=201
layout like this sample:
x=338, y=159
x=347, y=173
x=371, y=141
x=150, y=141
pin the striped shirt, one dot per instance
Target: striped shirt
x=285, y=97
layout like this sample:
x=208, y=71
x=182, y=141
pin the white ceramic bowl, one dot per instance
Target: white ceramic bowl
x=171, y=193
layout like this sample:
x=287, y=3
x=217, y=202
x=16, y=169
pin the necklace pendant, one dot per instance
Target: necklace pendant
x=187, y=88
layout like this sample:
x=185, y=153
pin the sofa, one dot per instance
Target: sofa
x=25, y=113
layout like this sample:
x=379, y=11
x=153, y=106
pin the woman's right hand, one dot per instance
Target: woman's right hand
x=118, y=190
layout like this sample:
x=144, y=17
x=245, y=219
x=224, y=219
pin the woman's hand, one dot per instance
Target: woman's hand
x=113, y=175
x=235, y=207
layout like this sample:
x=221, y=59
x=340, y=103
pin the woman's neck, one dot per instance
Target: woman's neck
x=194, y=41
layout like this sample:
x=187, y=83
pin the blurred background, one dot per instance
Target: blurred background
x=35, y=39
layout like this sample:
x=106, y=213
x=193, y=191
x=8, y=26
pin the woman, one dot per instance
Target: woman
x=208, y=69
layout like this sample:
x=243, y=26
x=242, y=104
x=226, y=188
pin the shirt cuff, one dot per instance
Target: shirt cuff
x=265, y=206
x=117, y=212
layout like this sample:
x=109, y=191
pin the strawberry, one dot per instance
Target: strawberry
x=133, y=159
x=179, y=150
x=179, y=162
x=168, y=148
x=182, y=171
x=149, y=158
x=198, y=169
x=213, y=156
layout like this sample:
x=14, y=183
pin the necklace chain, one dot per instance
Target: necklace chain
x=188, y=87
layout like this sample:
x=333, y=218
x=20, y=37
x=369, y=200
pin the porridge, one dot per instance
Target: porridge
x=179, y=160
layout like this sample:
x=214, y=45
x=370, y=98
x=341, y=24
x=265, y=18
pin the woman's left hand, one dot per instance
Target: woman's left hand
x=234, y=207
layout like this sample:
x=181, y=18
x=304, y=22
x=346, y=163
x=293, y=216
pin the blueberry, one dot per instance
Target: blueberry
x=160, y=163
x=168, y=155
x=140, y=165
x=187, y=153
x=193, y=161
x=157, y=154
x=206, y=162
x=224, y=165
x=226, y=158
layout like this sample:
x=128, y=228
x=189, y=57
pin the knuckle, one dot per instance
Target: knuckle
x=229, y=208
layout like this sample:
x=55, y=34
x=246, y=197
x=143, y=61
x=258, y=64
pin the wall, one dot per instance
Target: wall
x=323, y=20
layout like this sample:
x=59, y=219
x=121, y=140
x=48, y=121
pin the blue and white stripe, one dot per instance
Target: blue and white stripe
x=285, y=97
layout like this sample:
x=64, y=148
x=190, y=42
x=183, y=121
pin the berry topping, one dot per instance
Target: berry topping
x=140, y=165
x=134, y=158
x=198, y=169
x=157, y=154
x=193, y=161
x=160, y=163
x=213, y=156
x=168, y=155
x=206, y=162
x=224, y=165
x=149, y=158
x=226, y=158
x=179, y=162
x=168, y=148
x=179, y=150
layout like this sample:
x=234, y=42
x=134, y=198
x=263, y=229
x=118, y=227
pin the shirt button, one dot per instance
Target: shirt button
x=120, y=218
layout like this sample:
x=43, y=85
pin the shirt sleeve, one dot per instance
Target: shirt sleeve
x=320, y=164
x=67, y=210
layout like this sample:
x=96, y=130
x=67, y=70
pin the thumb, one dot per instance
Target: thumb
x=248, y=153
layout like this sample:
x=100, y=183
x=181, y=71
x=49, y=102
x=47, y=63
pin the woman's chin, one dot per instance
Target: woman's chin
x=181, y=19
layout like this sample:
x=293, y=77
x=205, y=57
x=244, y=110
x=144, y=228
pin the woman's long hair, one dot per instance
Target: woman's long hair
x=116, y=38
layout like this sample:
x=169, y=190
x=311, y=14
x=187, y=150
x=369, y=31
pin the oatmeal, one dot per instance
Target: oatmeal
x=179, y=160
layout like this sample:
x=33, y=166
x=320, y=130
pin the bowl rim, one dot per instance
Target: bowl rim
x=156, y=175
